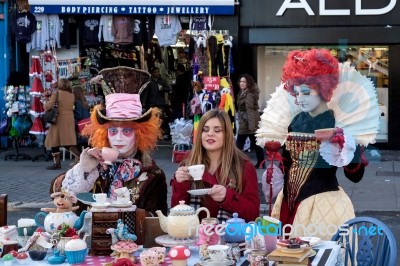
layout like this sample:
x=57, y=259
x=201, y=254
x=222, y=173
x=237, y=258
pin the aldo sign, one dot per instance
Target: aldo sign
x=323, y=11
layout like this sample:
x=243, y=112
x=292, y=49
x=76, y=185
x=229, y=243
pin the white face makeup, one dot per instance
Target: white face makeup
x=122, y=139
x=307, y=98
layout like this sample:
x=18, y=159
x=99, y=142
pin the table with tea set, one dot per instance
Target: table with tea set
x=186, y=241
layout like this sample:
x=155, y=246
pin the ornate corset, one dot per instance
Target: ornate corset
x=304, y=151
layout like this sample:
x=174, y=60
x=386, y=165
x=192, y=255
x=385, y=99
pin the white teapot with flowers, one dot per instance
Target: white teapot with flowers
x=182, y=221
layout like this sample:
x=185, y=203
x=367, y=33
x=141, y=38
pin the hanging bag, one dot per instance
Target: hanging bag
x=83, y=123
x=51, y=115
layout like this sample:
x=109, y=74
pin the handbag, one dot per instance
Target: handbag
x=51, y=115
x=82, y=124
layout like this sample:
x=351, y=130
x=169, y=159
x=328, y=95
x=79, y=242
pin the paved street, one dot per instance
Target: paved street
x=377, y=195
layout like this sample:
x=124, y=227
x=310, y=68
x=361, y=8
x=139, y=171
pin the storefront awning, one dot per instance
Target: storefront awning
x=134, y=7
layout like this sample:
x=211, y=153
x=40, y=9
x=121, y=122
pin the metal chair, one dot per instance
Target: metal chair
x=367, y=241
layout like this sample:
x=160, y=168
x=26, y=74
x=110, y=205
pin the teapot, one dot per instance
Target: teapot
x=182, y=222
x=234, y=232
x=53, y=219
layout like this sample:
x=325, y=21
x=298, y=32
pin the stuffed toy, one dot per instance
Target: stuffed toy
x=63, y=202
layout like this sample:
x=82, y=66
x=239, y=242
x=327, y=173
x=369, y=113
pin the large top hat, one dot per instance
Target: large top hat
x=121, y=86
x=124, y=79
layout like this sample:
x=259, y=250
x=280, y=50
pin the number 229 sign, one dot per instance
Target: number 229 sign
x=211, y=83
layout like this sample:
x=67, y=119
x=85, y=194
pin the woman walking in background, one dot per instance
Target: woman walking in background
x=62, y=134
x=249, y=116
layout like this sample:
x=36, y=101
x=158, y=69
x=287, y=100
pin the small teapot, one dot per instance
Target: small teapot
x=182, y=222
x=234, y=232
x=53, y=219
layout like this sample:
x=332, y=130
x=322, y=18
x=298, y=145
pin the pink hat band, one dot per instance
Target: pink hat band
x=123, y=106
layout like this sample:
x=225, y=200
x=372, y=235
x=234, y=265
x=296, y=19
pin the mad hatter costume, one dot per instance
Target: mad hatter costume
x=121, y=125
x=318, y=93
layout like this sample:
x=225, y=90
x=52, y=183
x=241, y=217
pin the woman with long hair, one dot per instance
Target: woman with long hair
x=229, y=174
x=249, y=116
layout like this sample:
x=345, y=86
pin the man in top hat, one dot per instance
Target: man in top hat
x=120, y=125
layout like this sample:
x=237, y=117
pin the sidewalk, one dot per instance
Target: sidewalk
x=27, y=182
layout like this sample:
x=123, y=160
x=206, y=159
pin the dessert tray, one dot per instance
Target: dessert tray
x=168, y=241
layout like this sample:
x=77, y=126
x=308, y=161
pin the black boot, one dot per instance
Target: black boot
x=76, y=153
x=260, y=157
x=56, y=160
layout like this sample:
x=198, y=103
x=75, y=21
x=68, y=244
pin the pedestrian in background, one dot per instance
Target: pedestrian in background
x=62, y=134
x=249, y=116
x=156, y=94
x=81, y=111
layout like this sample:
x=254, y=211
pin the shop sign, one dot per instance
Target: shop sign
x=324, y=11
x=211, y=83
x=315, y=13
x=133, y=7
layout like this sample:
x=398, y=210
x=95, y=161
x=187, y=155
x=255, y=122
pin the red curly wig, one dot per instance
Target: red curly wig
x=315, y=67
x=147, y=133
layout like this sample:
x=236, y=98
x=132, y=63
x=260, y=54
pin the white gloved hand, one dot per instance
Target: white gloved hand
x=88, y=159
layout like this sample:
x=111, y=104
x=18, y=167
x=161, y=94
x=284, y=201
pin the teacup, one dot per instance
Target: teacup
x=161, y=252
x=100, y=198
x=122, y=191
x=151, y=258
x=109, y=155
x=26, y=231
x=123, y=200
x=269, y=225
x=325, y=134
x=196, y=171
x=218, y=253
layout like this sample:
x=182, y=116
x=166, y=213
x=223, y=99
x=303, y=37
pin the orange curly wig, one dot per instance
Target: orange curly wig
x=147, y=133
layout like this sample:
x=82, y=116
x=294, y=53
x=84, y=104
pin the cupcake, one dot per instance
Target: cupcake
x=22, y=258
x=76, y=250
x=7, y=259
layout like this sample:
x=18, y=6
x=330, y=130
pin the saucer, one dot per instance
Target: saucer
x=100, y=206
x=199, y=192
x=313, y=241
x=291, y=250
x=168, y=241
x=121, y=205
x=209, y=262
